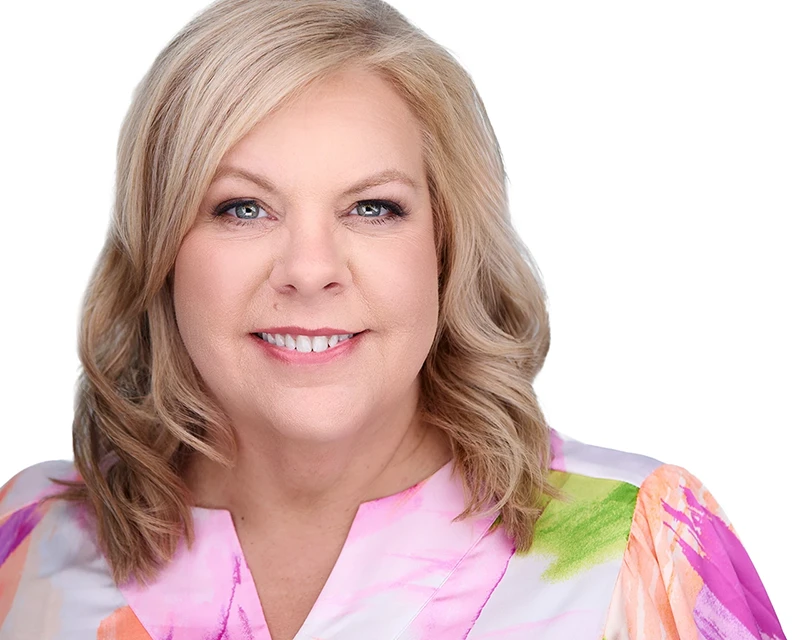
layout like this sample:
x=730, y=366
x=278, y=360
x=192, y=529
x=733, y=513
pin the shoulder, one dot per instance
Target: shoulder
x=49, y=554
x=23, y=492
x=677, y=564
x=574, y=457
x=600, y=491
x=655, y=481
x=654, y=493
x=660, y=492
x=681, y=566
x=579, y=543
x=23, y=517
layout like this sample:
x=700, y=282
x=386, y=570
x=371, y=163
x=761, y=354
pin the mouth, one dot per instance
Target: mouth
x=303, y=343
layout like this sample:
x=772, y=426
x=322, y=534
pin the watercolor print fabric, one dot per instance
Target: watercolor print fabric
x=638, y=550
x=685, y=573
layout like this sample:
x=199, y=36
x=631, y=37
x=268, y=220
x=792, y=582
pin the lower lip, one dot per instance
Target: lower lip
x=292, y=356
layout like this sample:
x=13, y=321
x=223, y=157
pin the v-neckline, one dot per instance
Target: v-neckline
x=399, y=553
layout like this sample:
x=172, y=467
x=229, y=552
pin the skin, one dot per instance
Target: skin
x=314, y=441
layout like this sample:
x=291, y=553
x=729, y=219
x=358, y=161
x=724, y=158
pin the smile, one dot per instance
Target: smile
x=304, y=344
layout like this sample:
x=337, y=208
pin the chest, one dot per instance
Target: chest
x=289, y=578
x=408, y=571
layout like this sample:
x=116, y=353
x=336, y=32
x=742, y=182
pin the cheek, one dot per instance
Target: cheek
x=425, y=288
x=406, y=282
x=209, y=279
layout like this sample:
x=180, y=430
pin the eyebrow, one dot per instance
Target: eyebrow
x=375, y=180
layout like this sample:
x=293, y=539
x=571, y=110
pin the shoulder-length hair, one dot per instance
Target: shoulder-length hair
x=141, y=407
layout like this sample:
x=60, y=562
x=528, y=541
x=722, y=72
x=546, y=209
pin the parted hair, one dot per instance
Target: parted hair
x=141, y=407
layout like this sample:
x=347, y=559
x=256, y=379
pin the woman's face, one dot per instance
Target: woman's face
x=317, y=225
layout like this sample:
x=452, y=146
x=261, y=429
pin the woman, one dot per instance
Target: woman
x=305, y=408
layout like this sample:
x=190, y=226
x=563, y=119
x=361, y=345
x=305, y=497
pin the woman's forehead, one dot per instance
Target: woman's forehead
x=350, y=128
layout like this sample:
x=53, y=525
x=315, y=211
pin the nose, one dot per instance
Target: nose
x=309, y=259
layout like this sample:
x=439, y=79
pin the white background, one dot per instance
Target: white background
x=653, y=155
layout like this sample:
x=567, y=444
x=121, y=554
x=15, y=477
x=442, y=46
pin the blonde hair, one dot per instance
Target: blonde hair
x=141, y=408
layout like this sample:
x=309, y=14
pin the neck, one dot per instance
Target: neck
x=276, y=478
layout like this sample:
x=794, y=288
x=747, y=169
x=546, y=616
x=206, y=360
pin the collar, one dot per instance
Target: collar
x=406, y=568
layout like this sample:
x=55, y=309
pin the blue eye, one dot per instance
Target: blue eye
x=372, y=209
x=246, y=210
x=240, y=210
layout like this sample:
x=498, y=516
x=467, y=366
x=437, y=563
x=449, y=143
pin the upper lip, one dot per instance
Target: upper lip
x=301, y=331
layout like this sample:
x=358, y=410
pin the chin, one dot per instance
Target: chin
x=319, y=424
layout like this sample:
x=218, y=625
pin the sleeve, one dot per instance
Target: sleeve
x=685, y=575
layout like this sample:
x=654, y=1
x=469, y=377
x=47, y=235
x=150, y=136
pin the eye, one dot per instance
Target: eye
x=378, y=210
x=241, y=210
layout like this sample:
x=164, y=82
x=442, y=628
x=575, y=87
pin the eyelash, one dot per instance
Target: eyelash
x=396, y=211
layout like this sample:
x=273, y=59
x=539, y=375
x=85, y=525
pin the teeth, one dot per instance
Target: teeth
x=304, y=344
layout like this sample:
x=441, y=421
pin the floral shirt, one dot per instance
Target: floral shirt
x=639, y=551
